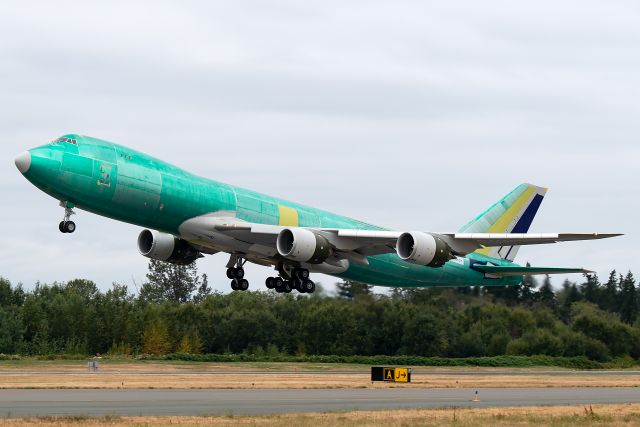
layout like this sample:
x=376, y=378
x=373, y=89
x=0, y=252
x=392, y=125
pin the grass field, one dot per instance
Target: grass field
x=130, y=374
x=597, y=415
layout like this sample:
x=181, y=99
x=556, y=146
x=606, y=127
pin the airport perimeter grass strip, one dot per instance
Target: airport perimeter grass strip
x=596, y=415
x=129, y=379
x=579, y=362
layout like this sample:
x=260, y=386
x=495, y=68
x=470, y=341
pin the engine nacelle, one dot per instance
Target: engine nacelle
x=299, y=244
x=422, y=248
x=165, y=247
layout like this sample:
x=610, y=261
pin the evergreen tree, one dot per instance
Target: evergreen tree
x=171, y=282
x=361, y=291
x=527, y=289
x=590, y=289
x=545, y=295
x=203, y=291
x=570, y=295
x=609, y=296
x=354, y=290
x=508, y=294
x=628, y=299
x=343, y=289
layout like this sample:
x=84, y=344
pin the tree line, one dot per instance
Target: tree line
x=176, y=312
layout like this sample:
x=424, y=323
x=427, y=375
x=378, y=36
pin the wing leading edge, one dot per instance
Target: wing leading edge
x=371, y=242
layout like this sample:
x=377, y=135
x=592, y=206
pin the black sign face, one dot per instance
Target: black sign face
x=377, y=373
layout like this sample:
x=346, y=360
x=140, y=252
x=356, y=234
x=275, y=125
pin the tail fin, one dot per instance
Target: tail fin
x=513, y=213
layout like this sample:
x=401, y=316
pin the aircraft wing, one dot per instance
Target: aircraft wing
x=358, y=244
x=464, y=243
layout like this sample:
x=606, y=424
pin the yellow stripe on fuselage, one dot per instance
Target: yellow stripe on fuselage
x=506, y=219
x=288, y=216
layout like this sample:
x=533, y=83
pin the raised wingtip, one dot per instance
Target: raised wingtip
x=541, y=190
x=607, y=235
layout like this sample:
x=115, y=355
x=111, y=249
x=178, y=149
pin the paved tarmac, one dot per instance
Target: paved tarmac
x=98, y=402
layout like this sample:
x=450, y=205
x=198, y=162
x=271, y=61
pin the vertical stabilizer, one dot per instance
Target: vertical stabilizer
x=513, y=213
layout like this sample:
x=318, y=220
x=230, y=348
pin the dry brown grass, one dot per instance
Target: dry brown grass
x=126, y=365
x=600, y=415
x=293, y=380
x=118, y=374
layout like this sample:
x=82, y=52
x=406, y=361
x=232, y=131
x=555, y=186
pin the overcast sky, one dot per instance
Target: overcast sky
x=410, y=115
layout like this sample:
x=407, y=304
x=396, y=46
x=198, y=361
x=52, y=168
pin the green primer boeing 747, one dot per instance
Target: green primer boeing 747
x=187, y=216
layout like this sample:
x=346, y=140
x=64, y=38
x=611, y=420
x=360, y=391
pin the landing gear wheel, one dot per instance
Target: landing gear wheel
x=69, y=227
x=61, y=227
x=235, y=273
x=301, y=273
x=269, y=282
x=286, y=288
x=278, y=284
x=308, y=286
x=243, y=285
x=297, y=284
x=234, y=285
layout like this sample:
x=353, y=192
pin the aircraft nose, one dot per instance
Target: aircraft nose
x=23, y=162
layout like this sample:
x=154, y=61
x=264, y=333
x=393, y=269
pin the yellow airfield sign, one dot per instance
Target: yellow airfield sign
x=389, y=374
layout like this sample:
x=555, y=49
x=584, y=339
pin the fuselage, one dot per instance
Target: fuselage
x=123, y=184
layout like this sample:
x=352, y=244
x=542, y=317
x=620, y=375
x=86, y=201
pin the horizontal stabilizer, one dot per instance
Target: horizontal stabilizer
x=517, y=270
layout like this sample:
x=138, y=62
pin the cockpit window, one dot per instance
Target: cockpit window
x=67, y=140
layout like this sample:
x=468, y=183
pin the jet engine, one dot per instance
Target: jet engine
x=299, y=244
x=165, y=247
x=422, y=248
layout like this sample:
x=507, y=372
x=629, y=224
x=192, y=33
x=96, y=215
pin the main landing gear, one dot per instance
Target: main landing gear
x=298, y=279
x=289, y=279
x=236, y=274
x=67, y=226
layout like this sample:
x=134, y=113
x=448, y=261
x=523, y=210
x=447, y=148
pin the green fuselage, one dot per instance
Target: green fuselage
x=117, y=182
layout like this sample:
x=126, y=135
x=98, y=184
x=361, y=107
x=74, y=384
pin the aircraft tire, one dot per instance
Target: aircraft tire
x=230, y=273
x=309, y=287
x=69, y=227
x=303, y=274
x=269, y=282
x=234, y=285
x=286, y=287
x=278, y=284
x=238, y=273
x=243, y=285
x=297, y=284
x=61, y=227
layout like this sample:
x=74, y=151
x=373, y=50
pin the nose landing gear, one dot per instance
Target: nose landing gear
x=66, y=225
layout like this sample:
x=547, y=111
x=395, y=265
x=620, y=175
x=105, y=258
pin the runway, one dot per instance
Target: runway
x=16, y=403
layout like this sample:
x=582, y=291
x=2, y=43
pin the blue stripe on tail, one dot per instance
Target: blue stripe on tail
x=523, y=224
